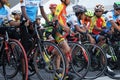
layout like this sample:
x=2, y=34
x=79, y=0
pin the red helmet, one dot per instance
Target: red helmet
x=52, y=5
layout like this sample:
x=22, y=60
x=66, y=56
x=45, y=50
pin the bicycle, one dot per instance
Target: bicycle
x=79, y=58
x=13, y=56
x=98, y=60
x=111, y=49
x=42, y=57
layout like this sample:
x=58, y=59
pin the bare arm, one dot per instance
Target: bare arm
x=79, y=29
x=114, y=25
x=13, y=23
x=24, y=13
x=43, y=13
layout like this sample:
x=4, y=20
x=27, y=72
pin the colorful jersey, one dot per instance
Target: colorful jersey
x=31, y=7
x=5, y=13
x=110, y=16
x=61, y=13
x=50, y=18
x=73, y=21
x=56, y=33
x=98, y=22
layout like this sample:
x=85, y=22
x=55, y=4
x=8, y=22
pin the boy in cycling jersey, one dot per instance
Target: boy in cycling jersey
x=112, y=16
x=87, y=21
x=16, y=15
x=60, y=16
x=5, y=13
x=98, y=28
x=76, y=21
x=98, y=24
x=51, y=16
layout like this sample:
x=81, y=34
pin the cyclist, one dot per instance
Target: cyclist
x=5, y=14
x=38, y=22
x=98, y=24
x=17, y=15
x=60, y=16
x=87, y=21
x=112, y=16
x=76, y=21
x=29, y=10
x=51, y=16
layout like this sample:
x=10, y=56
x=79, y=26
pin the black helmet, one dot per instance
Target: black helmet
x=79, y=8
x=116, y=5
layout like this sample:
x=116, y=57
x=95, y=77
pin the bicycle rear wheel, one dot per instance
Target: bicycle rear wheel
x=98, y=61
x=49, y=56
x=80, y=59
x=15, y=61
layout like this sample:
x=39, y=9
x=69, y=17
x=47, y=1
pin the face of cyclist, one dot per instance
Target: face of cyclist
x=6, y=1
x=38, y=21
x=52, y=10
x=17, y=17
x=98, y=12
x=67, y=2
x=88, y=18
x=81, y=16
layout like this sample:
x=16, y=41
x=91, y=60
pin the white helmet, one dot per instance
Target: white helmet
x=16, y=12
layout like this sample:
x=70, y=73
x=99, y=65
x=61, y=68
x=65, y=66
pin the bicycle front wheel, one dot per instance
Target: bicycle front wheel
x=15, y=61
x=98, y=61
x=80, y=59
x=53, y=60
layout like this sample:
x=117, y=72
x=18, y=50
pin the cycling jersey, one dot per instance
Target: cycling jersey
x=49, y=29
x=73, y=20
x=61, y=13
x=56, y=32
x=31, y=7
x=5, y=14
x=98, y=22
x=110, y=16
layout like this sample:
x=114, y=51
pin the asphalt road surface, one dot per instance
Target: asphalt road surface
x=34, y=77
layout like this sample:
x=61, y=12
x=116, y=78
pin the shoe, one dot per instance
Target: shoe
x=66, y=77
x=46, y=57
x=58, y=75
x=109, y=72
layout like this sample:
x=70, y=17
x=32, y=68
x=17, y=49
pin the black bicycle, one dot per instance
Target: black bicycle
x=43, y=56
x=13, y=56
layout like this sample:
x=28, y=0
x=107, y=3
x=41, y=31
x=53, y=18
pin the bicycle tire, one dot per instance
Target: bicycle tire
x=80, y=59
x=52, y=73
x=98, y=61
x=112, y=61
x=17, y=54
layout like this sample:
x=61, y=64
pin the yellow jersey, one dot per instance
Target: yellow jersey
x=61, y=13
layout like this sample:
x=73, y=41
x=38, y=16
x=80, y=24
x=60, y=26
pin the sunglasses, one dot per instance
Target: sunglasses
x=98, y=11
